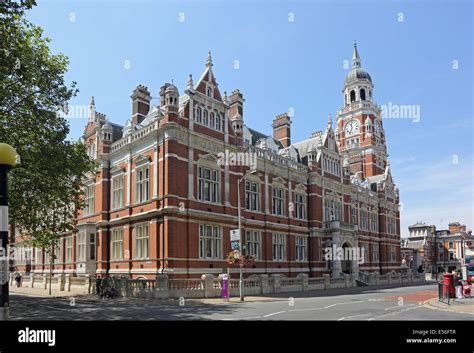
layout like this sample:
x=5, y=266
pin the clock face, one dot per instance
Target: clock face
x=352, y=127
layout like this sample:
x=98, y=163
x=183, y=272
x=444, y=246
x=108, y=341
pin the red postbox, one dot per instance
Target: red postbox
x=448, y=286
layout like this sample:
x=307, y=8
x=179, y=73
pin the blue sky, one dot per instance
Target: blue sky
x=419, y=53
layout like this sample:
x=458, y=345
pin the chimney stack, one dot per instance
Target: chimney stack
x=236, y=110
x=281, y=129
x=140, y=103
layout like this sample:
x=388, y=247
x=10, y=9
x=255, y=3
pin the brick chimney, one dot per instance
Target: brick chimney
x=140, y=103
x=282, y=129
x=236, y=110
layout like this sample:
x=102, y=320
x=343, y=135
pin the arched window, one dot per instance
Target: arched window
x=353, y=96
x=218, y=122
x=198, y=115
x=362, y=94
x=205, y=119
x=345, y=99
x=211, y=120
x=209, y=92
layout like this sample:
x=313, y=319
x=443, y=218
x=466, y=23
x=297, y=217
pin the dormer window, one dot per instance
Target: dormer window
x=209, y=92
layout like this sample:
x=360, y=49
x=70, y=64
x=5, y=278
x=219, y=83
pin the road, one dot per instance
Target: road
x=402, y=303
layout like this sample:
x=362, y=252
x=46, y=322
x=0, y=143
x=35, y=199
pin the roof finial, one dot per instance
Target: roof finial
x=330, y=120
x=92, y=110
x=356, y=62
x=190, y=82
x=209, y=59
x=226, y=100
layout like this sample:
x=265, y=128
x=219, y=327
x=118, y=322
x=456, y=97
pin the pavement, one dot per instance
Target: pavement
x=38, y=292
x=455, y=305
x=400, y=303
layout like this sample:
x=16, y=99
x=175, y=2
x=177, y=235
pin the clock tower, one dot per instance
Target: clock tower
x=359, y=131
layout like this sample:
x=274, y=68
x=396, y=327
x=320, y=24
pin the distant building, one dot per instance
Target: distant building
x=451, y=247
x=418, y=249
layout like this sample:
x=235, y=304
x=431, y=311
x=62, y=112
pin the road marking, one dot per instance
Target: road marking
x=349, y=317
x=307, y=309
x=277, y=313
x=242, y=318
x=398, y=306
x=394, y=313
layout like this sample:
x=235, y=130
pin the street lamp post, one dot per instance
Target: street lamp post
x=241, y=265
x=7, y=161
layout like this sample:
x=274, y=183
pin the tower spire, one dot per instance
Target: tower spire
x=329, y=121
x=209, y=59
x=356, y=62
x=92, y=110
x=190, y=82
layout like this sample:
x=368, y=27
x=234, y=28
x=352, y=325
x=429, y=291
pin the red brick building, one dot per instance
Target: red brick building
x=165, y=199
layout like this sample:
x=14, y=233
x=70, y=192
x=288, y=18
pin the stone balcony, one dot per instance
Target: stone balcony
x=340, y=225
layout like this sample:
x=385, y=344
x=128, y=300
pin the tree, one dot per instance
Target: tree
x=45, y=188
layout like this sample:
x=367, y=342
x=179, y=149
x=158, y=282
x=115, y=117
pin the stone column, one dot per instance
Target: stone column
x=304, y=281
x=276, y=283
x=327, y=281
x=61, y=282
x=67, y=282
x=336, y=263
x=265, y=287
x=208, y=285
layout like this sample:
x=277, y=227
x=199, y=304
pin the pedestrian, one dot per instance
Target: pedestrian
x=18, y=280
x=98, y=286
x=457, y=285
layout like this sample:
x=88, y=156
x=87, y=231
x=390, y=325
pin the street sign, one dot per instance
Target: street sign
x=235, y=235
x=3, y=271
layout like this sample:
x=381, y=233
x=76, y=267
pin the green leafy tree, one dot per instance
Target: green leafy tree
x=45, y=188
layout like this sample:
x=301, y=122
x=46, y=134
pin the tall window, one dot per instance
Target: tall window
x=300, y=205
x=68, y=249
x=208, y=185
x=92, y=246
x=199, y=115
x=301, y=248
x=253, y=242
x=364, y=220
x=353, y=215
x=252, y=195
x=80, y=247
x=89, y=199
x=116, y=244
x=391, y=225
x=142, y=184
x=392, y=253
x=366, y=253
x=58, y=251
x=375, y=252
x=278, y=200
x=212, y=119
x=278, y=247
x=205, y=117
x=117, y=191
x=218, y=122
x=141, y=241
x=210, y=242
x=332, y=210
x=374, y=222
